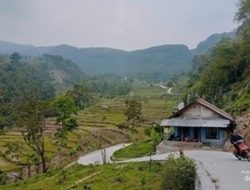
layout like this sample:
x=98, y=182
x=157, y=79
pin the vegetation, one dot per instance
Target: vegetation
x=137, y=149
x=29, y=118
x=98, y=121
x=133, y=112
x=20, y=80
x=65, y=107
x=222, y=76
x=142, y=147
x=155, y=64
x=108, y=85
x=178, y=174
x=156, y=135
x=37, y=125
x=121, y=177
x=174, y=174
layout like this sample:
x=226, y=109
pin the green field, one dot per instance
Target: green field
x=137, y=149
x=125, y=176
x=97, y=125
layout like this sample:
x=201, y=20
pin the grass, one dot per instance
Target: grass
x=100, y=120
x=97, y=127
x=125, y=176
x=137, y=149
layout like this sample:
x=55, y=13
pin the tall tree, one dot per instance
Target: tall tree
x=243, y=16
x=133, y=112
x=65, y=107
x=29, y=118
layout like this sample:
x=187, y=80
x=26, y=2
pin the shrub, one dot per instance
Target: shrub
x=178, y=174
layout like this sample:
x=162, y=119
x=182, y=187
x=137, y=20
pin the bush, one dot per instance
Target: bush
x=147, y=131
x=178, y=174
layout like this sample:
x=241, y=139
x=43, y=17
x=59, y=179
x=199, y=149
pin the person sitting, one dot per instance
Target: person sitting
x=235, y=140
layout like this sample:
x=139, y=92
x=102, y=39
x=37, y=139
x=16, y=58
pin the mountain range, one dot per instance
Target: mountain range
x=164, y=60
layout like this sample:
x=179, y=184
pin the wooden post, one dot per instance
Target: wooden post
x=199, y=134
x=181, y=149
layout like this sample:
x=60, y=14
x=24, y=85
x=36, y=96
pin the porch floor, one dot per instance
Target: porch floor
x=170, y=146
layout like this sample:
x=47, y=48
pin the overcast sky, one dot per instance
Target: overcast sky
x=123, y=24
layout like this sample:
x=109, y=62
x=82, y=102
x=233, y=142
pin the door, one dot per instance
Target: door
x=197, y=133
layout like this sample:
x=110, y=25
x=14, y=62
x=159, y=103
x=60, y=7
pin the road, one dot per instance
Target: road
x=170, y=91
x=96, y=156
x=220, y=170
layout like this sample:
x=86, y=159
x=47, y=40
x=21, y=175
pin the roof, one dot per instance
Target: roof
x=208, y=106
x=195, y=122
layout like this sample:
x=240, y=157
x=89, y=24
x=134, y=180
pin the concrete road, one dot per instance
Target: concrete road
x=224, y=169
x=218, y=170
x=96, y=157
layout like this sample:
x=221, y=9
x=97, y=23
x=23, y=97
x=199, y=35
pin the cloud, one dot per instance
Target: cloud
x=125, y=24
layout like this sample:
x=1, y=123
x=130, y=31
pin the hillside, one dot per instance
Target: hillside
x=222, y=75
x=211, y=41
x=47, y=74
x=155, y=63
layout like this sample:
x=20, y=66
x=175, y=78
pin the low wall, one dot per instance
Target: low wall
x=203, y=180
x=170, y=146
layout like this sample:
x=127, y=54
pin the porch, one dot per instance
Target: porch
x=205, y=135
x=171, y=146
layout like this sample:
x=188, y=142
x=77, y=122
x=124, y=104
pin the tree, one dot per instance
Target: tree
x=65, y=107
x=243, y=16
x=29, y=118
x=15, y=58
x=156, y=136
x=82, y=95
x=133, y=112
x=5, y=120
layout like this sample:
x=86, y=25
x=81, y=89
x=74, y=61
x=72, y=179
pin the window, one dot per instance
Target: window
x=212, y=133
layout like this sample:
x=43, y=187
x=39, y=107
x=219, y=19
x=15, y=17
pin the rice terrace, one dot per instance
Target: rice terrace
x=125, y=95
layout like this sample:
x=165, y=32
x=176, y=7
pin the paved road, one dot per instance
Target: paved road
x=219, y=169
x=222, y=168
x=96, y=156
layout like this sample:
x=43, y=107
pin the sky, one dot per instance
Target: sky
x=122, y=24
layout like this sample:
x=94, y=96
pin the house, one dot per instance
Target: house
x=200, y=122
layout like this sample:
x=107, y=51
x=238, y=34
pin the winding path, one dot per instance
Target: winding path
x=96, y=156
x=218, y=170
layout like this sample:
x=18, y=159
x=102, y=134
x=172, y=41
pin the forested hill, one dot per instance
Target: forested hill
x=222, y=76
x=210, y=42
x=23, y=76
x=156, y=63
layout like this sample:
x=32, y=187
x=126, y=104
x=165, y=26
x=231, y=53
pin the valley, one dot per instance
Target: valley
x=166, y=117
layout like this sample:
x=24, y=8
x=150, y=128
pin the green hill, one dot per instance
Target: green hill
x=153, y=64
x=21, y=76
x=211, y=41
x=222, y=75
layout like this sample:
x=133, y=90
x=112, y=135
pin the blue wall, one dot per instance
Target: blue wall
x=220, y=141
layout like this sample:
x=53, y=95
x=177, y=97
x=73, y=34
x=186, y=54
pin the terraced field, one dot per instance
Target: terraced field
x=97, y=125
x=87, y=140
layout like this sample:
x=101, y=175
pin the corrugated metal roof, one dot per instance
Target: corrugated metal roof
x=207, y=105
x=195, y=122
